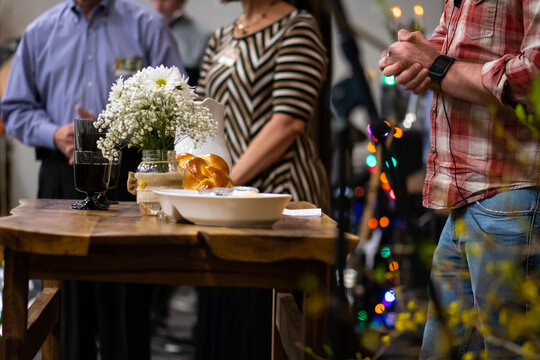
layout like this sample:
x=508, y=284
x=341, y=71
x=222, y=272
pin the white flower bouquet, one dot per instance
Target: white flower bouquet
x=148, y=109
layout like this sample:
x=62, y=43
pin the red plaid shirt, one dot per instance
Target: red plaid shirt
x=493, y=151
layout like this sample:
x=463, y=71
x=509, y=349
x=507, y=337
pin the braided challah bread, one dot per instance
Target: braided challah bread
x=204, y=171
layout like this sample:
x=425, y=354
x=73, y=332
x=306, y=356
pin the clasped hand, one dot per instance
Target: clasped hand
x=408, y=60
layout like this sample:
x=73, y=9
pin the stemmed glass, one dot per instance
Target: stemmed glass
x=91, y=169
x=92, y=172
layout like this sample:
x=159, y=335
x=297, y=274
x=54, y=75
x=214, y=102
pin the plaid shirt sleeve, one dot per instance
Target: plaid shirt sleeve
x=439, y=34
x=510, y=77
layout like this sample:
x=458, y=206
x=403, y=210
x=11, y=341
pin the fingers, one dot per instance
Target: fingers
x=404, y=35
x=394, y=69
x=385, y=59
x=412, y=77
x=423, y=87
x=417, y=36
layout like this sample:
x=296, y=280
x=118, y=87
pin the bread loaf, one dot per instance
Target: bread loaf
x=204, y=171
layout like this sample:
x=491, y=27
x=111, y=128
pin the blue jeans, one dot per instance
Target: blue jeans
x=476, y=246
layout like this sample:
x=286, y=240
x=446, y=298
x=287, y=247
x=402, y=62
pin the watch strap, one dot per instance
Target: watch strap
x=439, y=68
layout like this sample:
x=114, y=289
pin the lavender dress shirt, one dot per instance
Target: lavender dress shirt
x=64, y=60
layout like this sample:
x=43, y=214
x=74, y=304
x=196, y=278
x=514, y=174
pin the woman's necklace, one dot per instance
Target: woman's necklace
x=243, y=28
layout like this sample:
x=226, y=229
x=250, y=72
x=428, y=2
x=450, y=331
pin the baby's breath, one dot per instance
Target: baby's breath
x=146, y=111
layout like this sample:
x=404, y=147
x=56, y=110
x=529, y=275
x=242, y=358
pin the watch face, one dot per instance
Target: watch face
x=440, y=65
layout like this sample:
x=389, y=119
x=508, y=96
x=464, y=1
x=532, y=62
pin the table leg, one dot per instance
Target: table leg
x=15, y=298
x=315, y=317
x=278, y=352
x=51, y=347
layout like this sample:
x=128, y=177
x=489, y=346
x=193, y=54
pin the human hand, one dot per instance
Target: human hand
x=414, y=79
x=84, y=114
x=408, y=60
x=64, y=139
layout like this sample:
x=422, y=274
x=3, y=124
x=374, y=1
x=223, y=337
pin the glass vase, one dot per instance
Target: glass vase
x=156, y=161
x=158, y=169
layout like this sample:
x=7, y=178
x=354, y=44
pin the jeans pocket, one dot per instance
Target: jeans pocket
x=483, y=14
x=507, y=214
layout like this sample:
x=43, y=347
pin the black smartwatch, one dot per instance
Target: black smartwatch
x=439, y=68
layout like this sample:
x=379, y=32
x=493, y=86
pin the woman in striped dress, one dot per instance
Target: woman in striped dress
x=267, y=68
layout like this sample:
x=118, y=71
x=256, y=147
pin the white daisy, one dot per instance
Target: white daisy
x=161, y=77
x=116, y=90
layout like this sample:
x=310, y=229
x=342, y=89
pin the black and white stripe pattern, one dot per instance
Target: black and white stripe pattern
x=279, y=69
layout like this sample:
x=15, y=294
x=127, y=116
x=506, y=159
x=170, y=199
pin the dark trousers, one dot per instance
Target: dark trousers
x=110, y=318
x=233, y=323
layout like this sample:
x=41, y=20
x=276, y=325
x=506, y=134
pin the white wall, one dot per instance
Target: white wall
x=364, y=15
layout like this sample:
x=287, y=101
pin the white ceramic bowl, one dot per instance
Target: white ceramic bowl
x=256, y=210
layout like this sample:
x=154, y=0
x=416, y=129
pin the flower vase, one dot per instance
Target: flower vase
x=157, y=170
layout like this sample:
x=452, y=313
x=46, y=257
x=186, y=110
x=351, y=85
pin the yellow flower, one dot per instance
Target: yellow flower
x=461, y=227
x=142, y=184
x=420, y=317
x=529, y=289
x=468, y=316
x=484, y=355
x=411, y=305
x=475, y=249
x=528, y=349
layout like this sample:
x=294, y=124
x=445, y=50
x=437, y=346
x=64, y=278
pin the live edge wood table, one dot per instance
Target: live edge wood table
x=45, y=239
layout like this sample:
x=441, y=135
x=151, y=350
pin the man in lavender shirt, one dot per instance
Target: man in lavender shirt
x=64, y=66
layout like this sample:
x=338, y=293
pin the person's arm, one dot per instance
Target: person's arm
x=22, y=110
x=410, y=59
x=298, y=77
x=267, y=147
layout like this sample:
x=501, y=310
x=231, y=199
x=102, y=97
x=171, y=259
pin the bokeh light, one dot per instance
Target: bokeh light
x=398, y=133
x=396, y=11
x=371, y=160
x=383, y=178
x=384, y=222
x=389, y=80
x=390, y=319
x=385, y=252
x=373, y=223
x=371, y=147
x=362, y=315
x=379, y=308
x=390, y=296
x=394, y=266
x=392, y=195
x=359, y=191
x=418, y=10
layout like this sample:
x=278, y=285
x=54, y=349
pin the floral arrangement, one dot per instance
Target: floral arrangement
x=148, y=109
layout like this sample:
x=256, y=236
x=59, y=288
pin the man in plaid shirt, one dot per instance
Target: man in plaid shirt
x=483, y=164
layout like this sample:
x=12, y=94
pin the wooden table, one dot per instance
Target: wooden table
x=45, y=239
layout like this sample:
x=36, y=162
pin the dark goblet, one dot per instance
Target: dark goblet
x=86, y=135
x=92, y=172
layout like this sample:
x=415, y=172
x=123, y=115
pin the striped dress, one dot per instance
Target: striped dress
x=278, y=69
